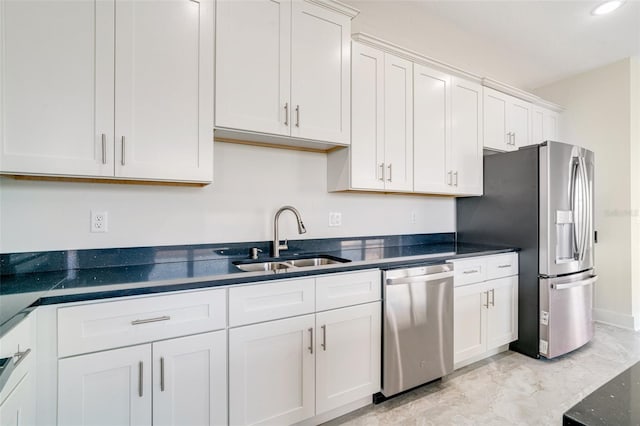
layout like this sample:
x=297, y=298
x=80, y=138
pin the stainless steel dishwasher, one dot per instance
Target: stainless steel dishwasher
x=418, y=326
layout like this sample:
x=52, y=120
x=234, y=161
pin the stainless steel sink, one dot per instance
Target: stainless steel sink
x=287, y=263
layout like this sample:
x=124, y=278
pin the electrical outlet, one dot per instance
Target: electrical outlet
x=99, y=221
x=335, y=219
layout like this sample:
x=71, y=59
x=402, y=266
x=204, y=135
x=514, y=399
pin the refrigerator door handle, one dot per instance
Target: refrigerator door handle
x=572, y=201
x=564, y=286
x=586, y=209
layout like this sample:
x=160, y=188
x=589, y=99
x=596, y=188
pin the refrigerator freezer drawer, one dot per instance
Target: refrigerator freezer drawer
x=566, y=320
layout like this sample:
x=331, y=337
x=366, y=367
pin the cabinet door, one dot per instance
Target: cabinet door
x=106, y=388
x=320, y=80
x=496, y=131
x=466, y=137
x=18, y=408
x=537, y=125
x=190, y=380
x=398, y=123
x=348, y=355
x=431, y=138
x=367, y=118
x=502, y=324
x=271, y=372
x=56, y=93
x=469, y=321
x=519, y=118
x=253, y=65
x=164, y=90
x=550, y=126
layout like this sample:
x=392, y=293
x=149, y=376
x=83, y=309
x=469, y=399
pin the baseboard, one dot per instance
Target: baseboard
x=614, y=318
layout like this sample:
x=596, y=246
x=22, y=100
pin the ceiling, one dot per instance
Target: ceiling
x=549, y=40
x=561, y=37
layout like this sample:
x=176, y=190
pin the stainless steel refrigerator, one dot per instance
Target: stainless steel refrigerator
x=540, y=199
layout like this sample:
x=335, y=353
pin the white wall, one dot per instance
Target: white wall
x=408, y=24
x=598, y=117
x=251, y=183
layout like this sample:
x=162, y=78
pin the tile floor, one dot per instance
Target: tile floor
x=509, y=388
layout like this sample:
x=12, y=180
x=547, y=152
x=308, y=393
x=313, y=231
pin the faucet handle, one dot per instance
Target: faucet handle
x=285, y=245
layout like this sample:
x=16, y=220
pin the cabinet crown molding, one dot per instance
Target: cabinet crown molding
x=412, y=56
x=337, y=6
x=419, y=58
x=521, y=94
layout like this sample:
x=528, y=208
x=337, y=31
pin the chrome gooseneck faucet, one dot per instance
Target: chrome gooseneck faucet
x=275, y=249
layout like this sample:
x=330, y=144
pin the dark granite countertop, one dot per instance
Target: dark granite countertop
x=617, y=402
x=68, y=276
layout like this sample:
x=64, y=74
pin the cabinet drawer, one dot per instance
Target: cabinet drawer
x=339, y=290
x=98, y=326
x=504, y=265
x=264, y=302
x=18, y=344
x=469, y=271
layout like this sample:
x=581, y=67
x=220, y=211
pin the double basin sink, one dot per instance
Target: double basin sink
x=288, y=264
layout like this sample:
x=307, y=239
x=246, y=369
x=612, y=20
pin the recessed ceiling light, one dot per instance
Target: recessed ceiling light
x=607, y=7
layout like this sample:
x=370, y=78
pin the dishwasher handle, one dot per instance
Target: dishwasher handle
x=419, y=278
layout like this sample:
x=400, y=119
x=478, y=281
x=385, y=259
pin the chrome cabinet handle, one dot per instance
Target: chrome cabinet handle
x=310, y=341
x=471, y=271
x=18, y=357
x=324, y=337
x=140, y=379
x=122, y=146
x=450, y=178
x=508, y=138
x=297, y=115
x=104, y=148
x=486, y=293
x=514, y=138
x=493, y=297
x=381, y=172
x=504, y=266
x=455, y=178
x=161, y=374
x=390, y=178
x=148, y=320
x=286, y=114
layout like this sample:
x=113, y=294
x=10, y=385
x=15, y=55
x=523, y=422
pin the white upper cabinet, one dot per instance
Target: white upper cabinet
x=448, y=133
x=320, y=79
x=507, y=121
x=545, y=124
x=367, y=125
x=253, y=62
x=164, y=90
x=282, y=70
x=56, y=94
x=381, y=153
x=398, y=123
x=432, y=135
x=125, y=91
x=465, y=159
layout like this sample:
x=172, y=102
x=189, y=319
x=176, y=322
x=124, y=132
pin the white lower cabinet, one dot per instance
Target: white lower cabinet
x=271, y=371
x=485, y=313
x=348, y=355
x=18, y=407
x=285, y=371
x=183, y=379
x=485, y=317
x=305, y=365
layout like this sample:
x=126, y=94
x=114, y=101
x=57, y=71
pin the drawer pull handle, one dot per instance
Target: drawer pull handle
x=148, y=320
x=486, y=293
x=493, y=297
x=504, y=266
x=471, y=271
x=310, y=341
x=18, y=357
